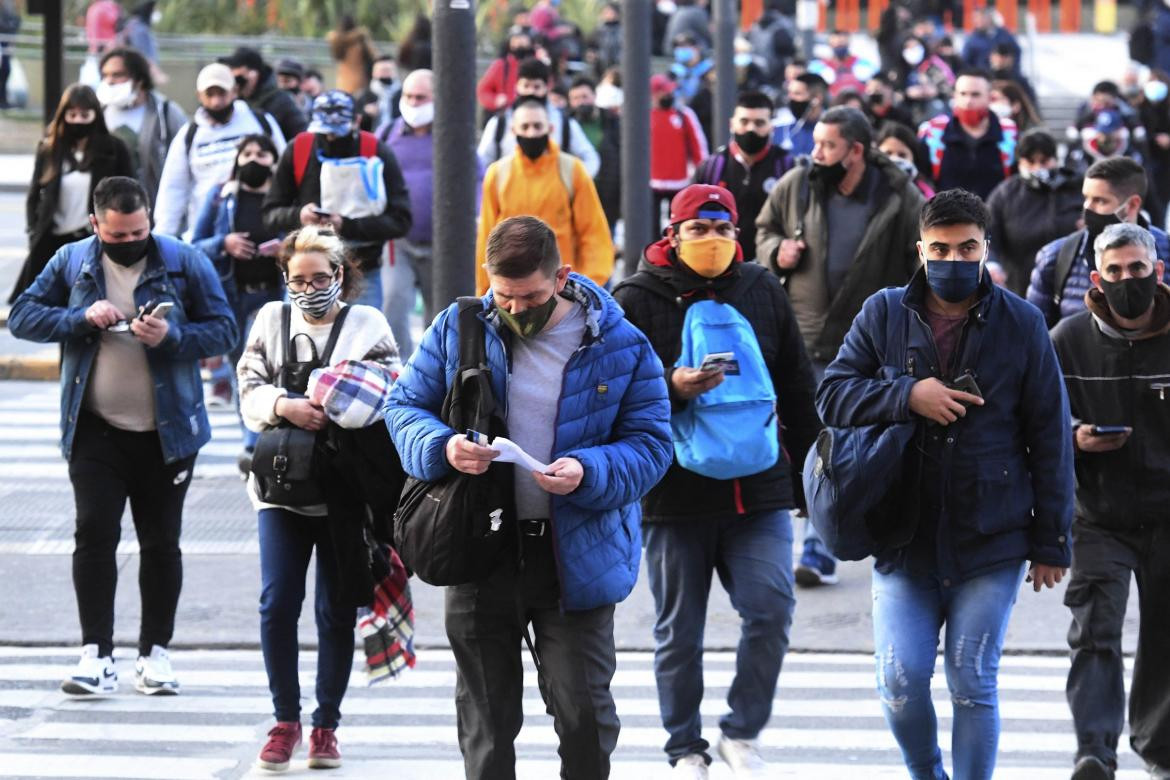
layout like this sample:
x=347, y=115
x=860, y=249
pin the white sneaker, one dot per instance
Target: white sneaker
x=94, y=674
x=692, y=767
x=153, y=673
x=743, y=756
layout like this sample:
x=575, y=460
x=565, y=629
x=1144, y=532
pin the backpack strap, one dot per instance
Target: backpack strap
x=566, y=135
x=302, y=148
x=334, y=334
x=712, y=170
x=367, y=144
x=285, y=328
x=895, y=336
x=472, y=353
x=565, y=165
x=802, y=195
x=189, y=138
x=1065, y=258
x=261, y=119
x=501, y=128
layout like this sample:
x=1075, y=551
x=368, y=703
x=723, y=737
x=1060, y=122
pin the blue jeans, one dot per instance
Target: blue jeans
x=812, y=540
x=371, y=292
x=908, y=613
x=753, y=556
x=409, y=275
x=286, y=542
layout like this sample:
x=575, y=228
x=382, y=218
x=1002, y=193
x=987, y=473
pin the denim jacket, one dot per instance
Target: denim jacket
x=200, y=325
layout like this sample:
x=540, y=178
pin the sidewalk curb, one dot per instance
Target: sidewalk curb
x=30, y=368
x=13, y=187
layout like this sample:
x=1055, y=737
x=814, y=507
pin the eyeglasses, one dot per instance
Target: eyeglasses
x=318, y=282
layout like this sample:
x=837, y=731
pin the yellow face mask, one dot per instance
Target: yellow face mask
x=708, y=257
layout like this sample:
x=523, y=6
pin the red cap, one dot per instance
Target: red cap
x=661, y=84
x=703, y=201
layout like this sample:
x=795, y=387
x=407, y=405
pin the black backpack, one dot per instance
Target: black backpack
x=460, y=528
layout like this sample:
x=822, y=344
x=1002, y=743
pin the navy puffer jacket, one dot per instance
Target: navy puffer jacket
x=613, y=416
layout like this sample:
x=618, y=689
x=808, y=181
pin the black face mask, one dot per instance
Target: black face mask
x=126, y=253
x=76, y=131
x=241, y=83
x=798, y=107
x=533, y=147
x=751, y=143
x=876, y=99
x=339, y=148
x=1095, y=223
x=521, y=54
x=220, y=116
x=293, y=90
x=585, y=114
x=830, y=175
x=387, y=82
x=666, y=101
x=1130, y=298
x=254, y=174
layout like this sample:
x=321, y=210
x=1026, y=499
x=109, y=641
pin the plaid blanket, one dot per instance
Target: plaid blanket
x=387, y=625
x=353, y=393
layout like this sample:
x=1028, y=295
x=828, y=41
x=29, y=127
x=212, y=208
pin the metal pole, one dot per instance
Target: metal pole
x=636, y=198
x=54, y=56
x=453, y=203
x=724, y=69
x=807, y=13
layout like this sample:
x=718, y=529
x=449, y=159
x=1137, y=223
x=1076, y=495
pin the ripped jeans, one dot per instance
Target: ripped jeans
x=908, y=613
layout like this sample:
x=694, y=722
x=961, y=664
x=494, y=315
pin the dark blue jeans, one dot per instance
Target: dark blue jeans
x=286, y=543
x=908, y=614
x=753, y=556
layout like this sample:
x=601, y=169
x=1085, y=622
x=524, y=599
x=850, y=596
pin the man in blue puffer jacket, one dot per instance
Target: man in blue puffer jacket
x=987, y=483
x=582, y=390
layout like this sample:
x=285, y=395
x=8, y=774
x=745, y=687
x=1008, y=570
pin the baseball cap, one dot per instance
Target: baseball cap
x=661, y=84
x=332, y=113
x=1107, y=122
x=215, y=75
x=703, y=201
x=290, y=68
x=244, y=57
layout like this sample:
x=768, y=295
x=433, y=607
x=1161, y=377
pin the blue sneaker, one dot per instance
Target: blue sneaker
x=815, y=569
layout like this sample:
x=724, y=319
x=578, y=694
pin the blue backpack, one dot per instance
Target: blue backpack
x=730, y=431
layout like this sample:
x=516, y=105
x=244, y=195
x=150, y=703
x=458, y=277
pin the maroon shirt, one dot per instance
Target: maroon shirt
x=946, y=331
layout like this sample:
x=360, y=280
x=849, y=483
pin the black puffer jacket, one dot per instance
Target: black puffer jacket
x=1027, y=215
x=655, y=300
x=1115, y=380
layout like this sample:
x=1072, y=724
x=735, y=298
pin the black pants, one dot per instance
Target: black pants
x=578, y=658
x=110, y=465
x=1097, y=595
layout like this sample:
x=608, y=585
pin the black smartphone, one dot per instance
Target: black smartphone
x=966, y=383
x=1107, y=430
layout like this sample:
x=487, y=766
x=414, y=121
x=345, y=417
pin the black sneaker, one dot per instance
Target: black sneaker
x=1092, y=768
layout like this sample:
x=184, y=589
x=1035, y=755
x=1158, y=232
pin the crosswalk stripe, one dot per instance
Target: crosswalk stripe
x=827, y=721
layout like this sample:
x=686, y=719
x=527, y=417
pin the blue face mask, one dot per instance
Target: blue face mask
x=953, y=280
x=683, y=54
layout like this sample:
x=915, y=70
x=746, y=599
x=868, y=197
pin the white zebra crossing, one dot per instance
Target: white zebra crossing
x=826, y=721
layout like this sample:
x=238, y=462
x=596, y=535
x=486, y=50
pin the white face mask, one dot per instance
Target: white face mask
x=608, y=96
x=1002, y=110
x=120, y=95
x=914, y=55
x=155, y=16
x=417, y=116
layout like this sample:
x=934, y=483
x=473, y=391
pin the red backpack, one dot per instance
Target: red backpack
x=303, y=147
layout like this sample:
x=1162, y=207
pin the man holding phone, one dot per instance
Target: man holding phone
x=1116, y=361
x=132, y=417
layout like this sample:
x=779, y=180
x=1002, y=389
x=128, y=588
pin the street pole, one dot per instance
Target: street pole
x=724, y=69
x=54, y=51
x=637, y=215
x=807, y=13
x=453, y=203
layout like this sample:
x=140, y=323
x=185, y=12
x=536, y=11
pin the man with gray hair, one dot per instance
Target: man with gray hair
x=1116, y=362
x=838, y=231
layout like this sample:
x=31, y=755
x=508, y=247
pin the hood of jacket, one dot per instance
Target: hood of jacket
x=602, y=312
x=661, y=261
x=1159, y=325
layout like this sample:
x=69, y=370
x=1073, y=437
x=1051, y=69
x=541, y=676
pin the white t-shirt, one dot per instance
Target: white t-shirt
x=72, y=212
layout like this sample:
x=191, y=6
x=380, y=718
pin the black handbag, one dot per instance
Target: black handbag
x=284, y=460
x=461, y=528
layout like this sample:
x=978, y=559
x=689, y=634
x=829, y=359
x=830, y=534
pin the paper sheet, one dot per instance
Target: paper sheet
x=510, y=452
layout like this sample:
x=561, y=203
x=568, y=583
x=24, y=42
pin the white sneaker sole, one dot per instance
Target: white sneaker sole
x=273, y=766
x=169, y=689
x=324, y=763
x=75, y=687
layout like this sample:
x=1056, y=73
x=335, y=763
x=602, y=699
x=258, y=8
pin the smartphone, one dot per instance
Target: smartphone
x=475, y=437
x=269, y=247
x=966, y=383
x=121, y=326
x=162, y=309
x=1107, y=430
x=720, y=361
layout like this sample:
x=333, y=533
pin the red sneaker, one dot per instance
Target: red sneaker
x=283, y=741
x=323, y=752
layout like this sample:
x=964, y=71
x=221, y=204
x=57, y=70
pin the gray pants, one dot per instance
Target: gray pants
x=578, y=657
x=410, y=271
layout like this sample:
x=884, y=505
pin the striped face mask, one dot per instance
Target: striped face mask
x=317, y=303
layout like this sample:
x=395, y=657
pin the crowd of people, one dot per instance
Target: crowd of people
x=899, y=245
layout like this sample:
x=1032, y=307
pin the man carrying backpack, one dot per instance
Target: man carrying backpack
x=332, y=174
x=203, y=152
x=540, y=179
x=582, y=391
x=742, y=420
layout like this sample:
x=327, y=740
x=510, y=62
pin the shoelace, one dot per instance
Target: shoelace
x=287, y=734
